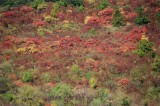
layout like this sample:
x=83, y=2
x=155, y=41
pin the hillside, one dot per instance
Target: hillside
x=79, y=52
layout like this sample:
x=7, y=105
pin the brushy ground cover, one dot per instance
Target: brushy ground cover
x=79, y=53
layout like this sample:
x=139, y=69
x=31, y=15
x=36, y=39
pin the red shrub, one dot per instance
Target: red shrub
x=90, y=43
x=124, y=81
x=33, y=41
x=157, y=10
x=7, y=56
x=135, y=34
x=38, y=23
x=61, y=15
x=18, y=83
x=65, y=42
x=26, y=9
x=10, y=38
x=106, y=19
x=8, y=14
x=93, y=20
x=151, y=1
x=106, y=12
x=131, y=16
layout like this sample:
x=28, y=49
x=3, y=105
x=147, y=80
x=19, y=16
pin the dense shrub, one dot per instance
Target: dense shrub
x=118, y=19
x=144, y=47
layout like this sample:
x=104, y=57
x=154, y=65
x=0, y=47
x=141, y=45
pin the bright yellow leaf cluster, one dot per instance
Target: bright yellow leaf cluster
x=87, y=19
x=30, y=49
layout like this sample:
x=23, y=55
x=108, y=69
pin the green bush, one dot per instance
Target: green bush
x=118, y=19
x=157, y=16
x=29, y=96
x=62, y=91
x=156, y=64
x=141, y=19
x=9, y=96
x=144, y=47
x=36, y=3
x=103, y=4
x=27, y=76
x=92, y=31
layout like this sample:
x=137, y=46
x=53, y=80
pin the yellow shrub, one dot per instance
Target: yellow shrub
x=30, y=49
x=86, y=19
x=91, y=1
x=42, y=6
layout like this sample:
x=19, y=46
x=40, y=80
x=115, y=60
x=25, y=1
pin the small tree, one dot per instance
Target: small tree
x=118, y=19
